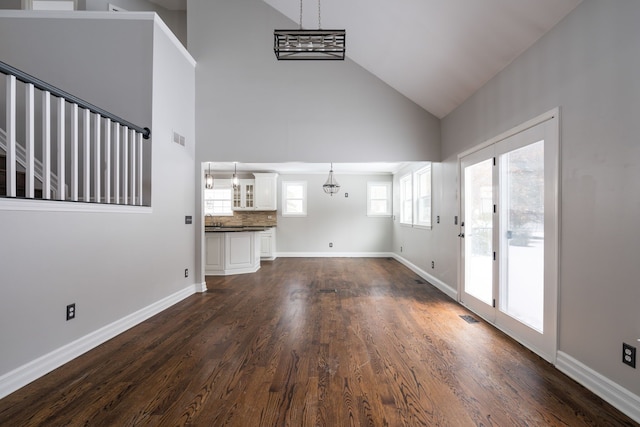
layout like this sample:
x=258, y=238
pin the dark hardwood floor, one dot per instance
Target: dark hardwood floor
x=310, y=342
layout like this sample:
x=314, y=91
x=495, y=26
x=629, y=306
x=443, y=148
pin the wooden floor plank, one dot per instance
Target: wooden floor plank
x=310, y=342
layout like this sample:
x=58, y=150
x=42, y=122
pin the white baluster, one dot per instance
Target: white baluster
x=116, y=161
x=11, y=136
x=125, y=164
x=29, y=141
x=139, y=174
x=107, y=160
x=61, y=150
x=97, y=166
x=86, y=151
x=134, y=175
x=74, y=152
x=46, y=145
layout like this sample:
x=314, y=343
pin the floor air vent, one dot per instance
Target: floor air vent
x=328, y=291
x=468, y=319
x=420, y=282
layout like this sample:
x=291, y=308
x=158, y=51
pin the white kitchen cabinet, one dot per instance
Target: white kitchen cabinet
x=268, y=244
x=266, y=195
x=244, y=195
x=214, y=253
x=232, y=253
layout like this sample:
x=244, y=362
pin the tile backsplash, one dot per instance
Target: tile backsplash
x=244, y=219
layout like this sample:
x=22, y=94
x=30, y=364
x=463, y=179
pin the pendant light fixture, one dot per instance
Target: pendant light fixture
x=331, y=187
x=208, y=179
x=309, y=44
x=234, y=178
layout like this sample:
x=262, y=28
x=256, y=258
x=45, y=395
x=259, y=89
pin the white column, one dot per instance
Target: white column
x=29, y=141
x=11, y=136
x=74, y=152
x=46, y=145
x=61, y=150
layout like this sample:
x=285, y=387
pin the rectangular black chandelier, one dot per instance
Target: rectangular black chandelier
x=309, y=44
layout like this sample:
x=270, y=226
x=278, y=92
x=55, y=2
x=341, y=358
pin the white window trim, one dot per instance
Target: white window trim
x=227, y=213
x=416, y=189
x=406, y=177
x=284, y=198
x=389, y=199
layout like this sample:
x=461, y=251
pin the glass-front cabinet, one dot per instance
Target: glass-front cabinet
x=244, y=195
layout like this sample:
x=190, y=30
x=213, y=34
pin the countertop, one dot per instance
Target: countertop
x=233, y=229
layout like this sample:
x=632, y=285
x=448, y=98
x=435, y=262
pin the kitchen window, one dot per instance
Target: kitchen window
x=378, y=198
x=294, y=198
x=217, y=201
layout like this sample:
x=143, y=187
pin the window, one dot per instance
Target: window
x=423, y=197
x=406, y=200
x=217, y=201
x=378, y=198
x=294, y=198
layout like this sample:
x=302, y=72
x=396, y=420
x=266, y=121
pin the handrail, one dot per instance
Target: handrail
x=27, y=78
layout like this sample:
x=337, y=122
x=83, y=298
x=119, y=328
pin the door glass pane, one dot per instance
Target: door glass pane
x=522, y=235
x=478, y=205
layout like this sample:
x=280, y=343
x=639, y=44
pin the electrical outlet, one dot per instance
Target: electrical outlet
x=330, y=245
x=455, y=220
x=629, y=355
x=433, y=264
x=186, y=272
x=400, y=248
x=346, y=194
x=71, y=311
x=437, y=219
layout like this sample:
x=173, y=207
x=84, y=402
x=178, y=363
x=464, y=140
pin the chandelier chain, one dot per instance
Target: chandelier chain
x=300, y=14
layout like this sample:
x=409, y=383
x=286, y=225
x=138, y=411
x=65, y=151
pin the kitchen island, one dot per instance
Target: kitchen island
x=232, y=250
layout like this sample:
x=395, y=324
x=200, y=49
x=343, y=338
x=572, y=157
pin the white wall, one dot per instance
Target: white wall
x=340, y=220
x=176, y=20
x=421, y=246
x=252, y=108
x=588, y=66
x=110, y=264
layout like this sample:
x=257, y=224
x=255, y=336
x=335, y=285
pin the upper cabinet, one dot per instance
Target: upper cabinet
x=244, y=195
x=266, y=191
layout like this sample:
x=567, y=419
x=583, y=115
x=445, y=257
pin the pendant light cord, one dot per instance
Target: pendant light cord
x=319, y=20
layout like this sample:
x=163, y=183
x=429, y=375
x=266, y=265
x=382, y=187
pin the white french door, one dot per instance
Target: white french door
x=509, y=233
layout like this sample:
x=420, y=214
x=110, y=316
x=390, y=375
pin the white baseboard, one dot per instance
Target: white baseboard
x=618, y=396
x=451, y=292
x=334, y=254
x=19, y=377
x=201, y=287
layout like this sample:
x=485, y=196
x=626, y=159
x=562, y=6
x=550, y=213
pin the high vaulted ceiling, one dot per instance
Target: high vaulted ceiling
x=435, y=52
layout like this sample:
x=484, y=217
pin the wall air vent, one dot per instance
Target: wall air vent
x=179, y=139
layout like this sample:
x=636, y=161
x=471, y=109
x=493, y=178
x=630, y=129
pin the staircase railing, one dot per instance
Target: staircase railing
x=21, y=158
x=99, y=159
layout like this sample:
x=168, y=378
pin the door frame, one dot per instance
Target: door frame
x=552, y=252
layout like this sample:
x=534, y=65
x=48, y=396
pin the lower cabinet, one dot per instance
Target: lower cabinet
x=232, y=253
x=268, y=244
